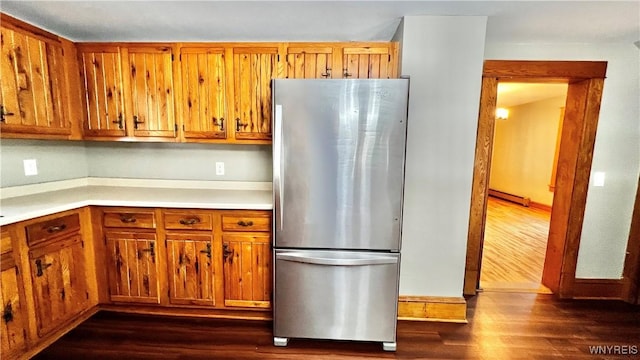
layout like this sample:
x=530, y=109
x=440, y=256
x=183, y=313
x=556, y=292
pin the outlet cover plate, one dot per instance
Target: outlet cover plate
x=219, y=168
x=30, y=167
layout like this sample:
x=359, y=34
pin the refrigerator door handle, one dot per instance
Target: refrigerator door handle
x=302, y=258
x=278, y=181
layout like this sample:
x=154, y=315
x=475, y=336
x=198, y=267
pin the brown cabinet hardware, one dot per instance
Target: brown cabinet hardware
x=127, y=219
x=151, y=249
x=7, y=313
x=207, y=251
x=346, y=74
x=221, y=124
x=136, y=122
x=245, y=223
x=3, y=113
x=237, y=124
x=326, y=74
x=226, y=252
x=40, y=267
x=190, y=221
x=120, y=121
x=56, y=228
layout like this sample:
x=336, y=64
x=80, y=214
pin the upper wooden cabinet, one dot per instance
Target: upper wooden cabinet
x=104, y=90
x=32, y=84
x=369, y=62
x=204, y=94
x=309, y=62
x=129, y=91
x=253, y=69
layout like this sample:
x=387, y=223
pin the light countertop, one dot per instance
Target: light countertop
x=134, y=193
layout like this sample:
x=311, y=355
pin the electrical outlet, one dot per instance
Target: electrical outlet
x=598, y=178
x=30, y=167
x=219, y=168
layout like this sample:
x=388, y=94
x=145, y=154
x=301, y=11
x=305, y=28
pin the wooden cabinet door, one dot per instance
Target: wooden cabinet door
x=367, y=62
x=190, y=267
x=204, y=95
x=59, y=282
x=247, y=270
x=12, y=329
x=309, y=62
x=31, y=85
x=104, y=101
x=132, y=267
x=253, y=70
x=150, y=92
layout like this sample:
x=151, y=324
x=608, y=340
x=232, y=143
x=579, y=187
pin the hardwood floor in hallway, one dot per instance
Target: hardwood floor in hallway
x=515, y=243
x=501, y=326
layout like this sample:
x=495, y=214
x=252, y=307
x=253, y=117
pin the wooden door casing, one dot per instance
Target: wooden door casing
x=31, y=85
x=190, y=267
x=59, y=282
x=253, y=70
x=151, y=99
x=104, y=90
x=132, y=267
x=12, y=328
x=247, y=270
x=204, y=95
x=309, y=62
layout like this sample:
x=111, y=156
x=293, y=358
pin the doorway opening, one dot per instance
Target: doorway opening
x=522, y=176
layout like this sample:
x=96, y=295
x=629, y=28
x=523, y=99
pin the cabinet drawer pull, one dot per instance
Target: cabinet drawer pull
x=7, y=313
x=55, y=228
x=245, y=223
x=207, y=251
x=190, y=221
x=127, y=219
x=40, y=267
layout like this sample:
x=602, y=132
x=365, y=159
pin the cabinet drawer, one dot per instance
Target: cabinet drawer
x=246, y=223
x=5, y=241
x=41, y=231
x=188, y=220
x=129, y=219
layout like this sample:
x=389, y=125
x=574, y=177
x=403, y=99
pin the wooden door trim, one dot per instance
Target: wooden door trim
x=631, y=274
x=585, y=80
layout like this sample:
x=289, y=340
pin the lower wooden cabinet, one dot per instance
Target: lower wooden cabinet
x=132, y=267
x=59, y=281
x=12, y=329
x=190, y=269
x=247, y=270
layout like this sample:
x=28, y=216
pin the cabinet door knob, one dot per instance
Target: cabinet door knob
x=226, y=252
x=136, y=122
x=40, y=267
x=207, y=251
x=238, y=124
x=120, y=121
x=3, y=113
x=151, y=249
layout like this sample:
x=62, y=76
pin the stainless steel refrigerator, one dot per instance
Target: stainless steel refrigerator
x=338, y=177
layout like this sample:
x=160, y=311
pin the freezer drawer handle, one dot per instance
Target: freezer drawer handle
x=337, y=262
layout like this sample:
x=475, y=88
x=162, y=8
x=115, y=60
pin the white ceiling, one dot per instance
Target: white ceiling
x=509, y=21
x=513, y=94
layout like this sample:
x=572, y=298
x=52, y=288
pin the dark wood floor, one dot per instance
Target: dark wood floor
x=501, y=326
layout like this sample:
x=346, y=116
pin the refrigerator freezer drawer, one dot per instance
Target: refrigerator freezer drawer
x=340, y=295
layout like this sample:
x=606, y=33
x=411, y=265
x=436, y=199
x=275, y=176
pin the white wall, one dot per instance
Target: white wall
x=443, y=57
x=62, y=160
x=607, y=217
x=523, y=150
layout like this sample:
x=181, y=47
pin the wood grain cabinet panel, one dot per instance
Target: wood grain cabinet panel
x=204, y=95
x=59, y=281
x=309, y=62
x=13, y=323
x=31, y=85
x=151, y=99
x=104, y=91
x=190, y=268
x=253, y=69
x=247, y=270
x=368, y=62
x=132, y=266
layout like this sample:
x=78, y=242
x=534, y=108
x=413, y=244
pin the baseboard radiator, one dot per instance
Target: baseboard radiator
x=524, y=201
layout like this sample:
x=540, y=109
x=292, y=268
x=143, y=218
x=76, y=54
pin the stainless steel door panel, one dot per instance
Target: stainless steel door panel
x=318, y=297
x=339, y=150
